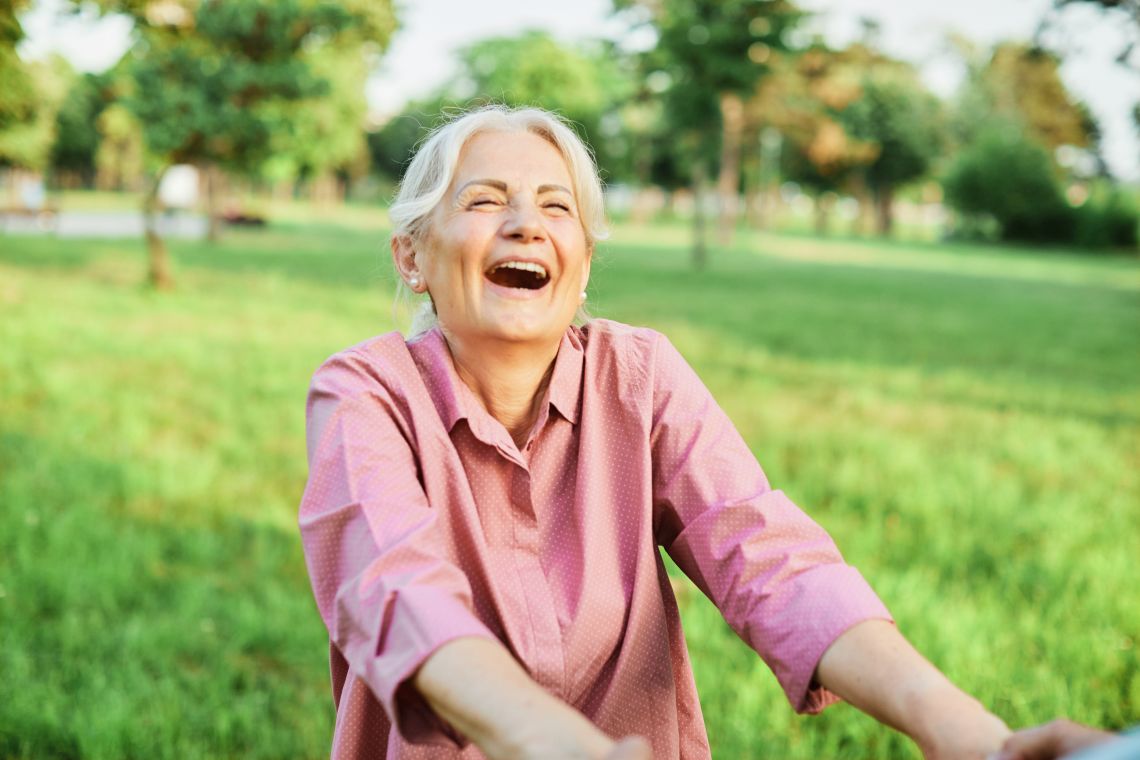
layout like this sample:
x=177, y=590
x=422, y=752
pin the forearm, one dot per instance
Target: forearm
x=476, y=686
x=877, y=670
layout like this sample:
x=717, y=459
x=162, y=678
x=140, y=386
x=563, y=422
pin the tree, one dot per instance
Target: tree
x=77, y=137
x=1021, y=83
x=714, y=52
x=29, y=96
x=803, y=99
x=26, y=140
x=1025, y=82
x=584, y=84
x=896, y=113
x=212, y=81
x=325, y=135
x=17, y=96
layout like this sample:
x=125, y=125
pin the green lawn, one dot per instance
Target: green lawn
x=965, y=421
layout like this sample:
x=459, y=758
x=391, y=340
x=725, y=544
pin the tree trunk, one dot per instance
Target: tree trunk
x=213, y=191
x=700, y=249
x=823, y=205
x=159, y=259
x=884, y=206
x=861, y=224
x=728, y=181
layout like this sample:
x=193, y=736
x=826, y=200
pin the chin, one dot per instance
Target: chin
x=525, y=330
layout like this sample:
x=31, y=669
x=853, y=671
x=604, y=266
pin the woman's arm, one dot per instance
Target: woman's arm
x=477, y=687
x=874, y=668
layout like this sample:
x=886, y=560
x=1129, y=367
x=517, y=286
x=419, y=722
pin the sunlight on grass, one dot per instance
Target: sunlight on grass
x=964, y=421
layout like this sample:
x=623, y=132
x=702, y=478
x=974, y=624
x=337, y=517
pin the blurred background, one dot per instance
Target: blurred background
x=897, y=240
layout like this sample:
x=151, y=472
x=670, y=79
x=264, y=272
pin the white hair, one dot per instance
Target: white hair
x=433, y=167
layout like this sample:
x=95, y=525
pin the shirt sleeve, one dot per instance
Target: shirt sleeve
x=775, y=575
x=386, y=592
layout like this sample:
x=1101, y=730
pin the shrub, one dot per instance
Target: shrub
x=1006, y=176
x=1107, y=219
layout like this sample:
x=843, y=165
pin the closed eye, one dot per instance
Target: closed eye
x=562, y=206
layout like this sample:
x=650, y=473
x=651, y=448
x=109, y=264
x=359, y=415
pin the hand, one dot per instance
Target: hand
x=476, y=685
x=1052, y=740
x=632, y=748
x=561, y=733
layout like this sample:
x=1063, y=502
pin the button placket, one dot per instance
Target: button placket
x=548, y=665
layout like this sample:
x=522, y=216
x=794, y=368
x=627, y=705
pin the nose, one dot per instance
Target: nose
x=524, y=224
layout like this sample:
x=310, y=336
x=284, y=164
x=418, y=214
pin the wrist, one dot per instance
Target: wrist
x=938, y=713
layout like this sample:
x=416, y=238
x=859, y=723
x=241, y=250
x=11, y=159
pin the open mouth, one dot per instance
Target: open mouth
x=518, y=274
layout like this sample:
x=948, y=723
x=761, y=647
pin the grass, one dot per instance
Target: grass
x=963, y=420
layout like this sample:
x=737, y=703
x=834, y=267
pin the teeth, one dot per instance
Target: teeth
x=526, y=266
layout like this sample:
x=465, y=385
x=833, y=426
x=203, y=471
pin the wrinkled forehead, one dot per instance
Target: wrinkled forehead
x=521, y=157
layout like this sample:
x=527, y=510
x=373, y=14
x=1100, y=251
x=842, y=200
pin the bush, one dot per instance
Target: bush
x=1008, y=177
x=1107, y=219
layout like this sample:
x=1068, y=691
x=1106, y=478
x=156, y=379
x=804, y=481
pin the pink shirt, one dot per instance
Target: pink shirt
x=423, y=522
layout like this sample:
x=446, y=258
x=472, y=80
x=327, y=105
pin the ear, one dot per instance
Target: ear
x=586, y=267
x=404, y=257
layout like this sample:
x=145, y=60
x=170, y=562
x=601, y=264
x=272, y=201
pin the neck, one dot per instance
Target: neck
x=508, y=379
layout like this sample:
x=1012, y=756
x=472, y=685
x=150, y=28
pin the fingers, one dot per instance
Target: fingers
x=631, y=748
x=1052, y=740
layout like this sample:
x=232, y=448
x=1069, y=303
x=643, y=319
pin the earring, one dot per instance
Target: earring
x=582, y=297
x=414, y=282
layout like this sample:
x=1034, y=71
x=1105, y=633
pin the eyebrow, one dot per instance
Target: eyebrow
x=498, y=184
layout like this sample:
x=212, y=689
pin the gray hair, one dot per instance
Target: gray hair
x=433, y=167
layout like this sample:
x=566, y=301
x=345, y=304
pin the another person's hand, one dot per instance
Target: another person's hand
x=1052, y=740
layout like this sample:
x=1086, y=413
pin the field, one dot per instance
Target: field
x=965, y=421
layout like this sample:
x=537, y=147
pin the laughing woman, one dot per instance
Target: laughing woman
x=486, y=500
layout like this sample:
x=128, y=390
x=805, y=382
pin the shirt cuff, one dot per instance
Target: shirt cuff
x=419, y=624
x=815, y=609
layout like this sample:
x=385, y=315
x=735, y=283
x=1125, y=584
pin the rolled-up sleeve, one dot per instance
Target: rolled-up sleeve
x=775, y=575
x=385, y=590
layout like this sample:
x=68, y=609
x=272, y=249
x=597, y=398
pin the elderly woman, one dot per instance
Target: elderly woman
x=486, y=501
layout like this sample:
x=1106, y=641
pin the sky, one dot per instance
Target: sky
x=422, y=54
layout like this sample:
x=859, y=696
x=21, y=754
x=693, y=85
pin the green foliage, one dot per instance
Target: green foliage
x=390, y=148
x=804, y=99
x=963, y=421
x=587, y=85
x=1005, y=175
x=27, y=140
x=705, y=49
x=17, y=96
x=716, y=45
x=1021, y=84
x=900, y=116
x=216, y=87
x=77, y=135
x=326, y=132
x=1108, y=219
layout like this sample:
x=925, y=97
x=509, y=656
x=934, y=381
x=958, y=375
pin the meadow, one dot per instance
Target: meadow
x=964, y=420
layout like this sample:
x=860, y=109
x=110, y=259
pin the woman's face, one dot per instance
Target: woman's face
x=505, y=257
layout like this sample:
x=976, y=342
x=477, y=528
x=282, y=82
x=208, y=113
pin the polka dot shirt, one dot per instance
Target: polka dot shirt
x=424, y=522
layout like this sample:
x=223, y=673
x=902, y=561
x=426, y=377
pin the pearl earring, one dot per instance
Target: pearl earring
x=582, y=297
x=413, y=282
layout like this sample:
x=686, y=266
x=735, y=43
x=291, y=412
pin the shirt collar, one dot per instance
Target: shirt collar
x=453, y=399
x=565, y=389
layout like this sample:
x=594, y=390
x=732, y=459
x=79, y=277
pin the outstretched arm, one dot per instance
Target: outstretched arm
x=477, y=687
x=874, y=668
